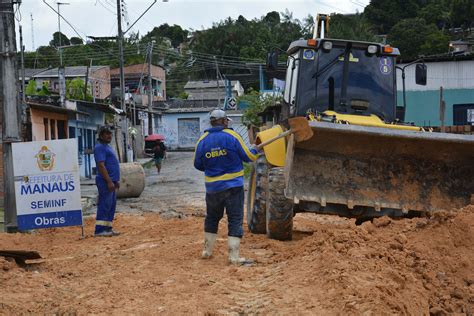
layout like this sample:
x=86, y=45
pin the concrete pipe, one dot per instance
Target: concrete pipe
x=132, y=180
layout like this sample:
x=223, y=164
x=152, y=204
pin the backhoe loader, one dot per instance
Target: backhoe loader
x=361, y=162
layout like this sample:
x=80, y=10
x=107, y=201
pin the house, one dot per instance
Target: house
x=98, y=79
x=184, y=121
x=455, y=75
x=136, y=93
x=136, y=82
x=460, y=47
x=30, y=72
x=48, y=120
x=83, y=126
x=212, y=90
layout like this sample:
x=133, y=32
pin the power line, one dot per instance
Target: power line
x=330, y=6
x=106, y=8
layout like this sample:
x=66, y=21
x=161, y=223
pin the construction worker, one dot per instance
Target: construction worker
x=219, y=153
x=107, y=181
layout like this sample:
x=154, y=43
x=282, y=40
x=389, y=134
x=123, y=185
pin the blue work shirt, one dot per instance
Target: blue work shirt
x=219, y=153
x=105, y=153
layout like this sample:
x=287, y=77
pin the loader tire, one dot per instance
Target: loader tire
x=257, y=196
x=279, y=209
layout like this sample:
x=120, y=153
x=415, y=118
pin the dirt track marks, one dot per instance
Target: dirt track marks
x=254, y=296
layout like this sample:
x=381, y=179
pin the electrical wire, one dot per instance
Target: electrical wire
x=330, y=6
x=106, y=8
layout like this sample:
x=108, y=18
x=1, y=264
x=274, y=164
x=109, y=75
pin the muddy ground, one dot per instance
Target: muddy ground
x=414, y=266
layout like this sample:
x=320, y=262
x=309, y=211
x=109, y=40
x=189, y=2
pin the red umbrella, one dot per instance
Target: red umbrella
x=154, y=137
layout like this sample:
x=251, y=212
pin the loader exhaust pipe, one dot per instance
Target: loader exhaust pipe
x=321, y=26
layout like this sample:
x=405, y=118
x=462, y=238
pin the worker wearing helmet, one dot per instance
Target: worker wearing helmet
x=107, y=181
x=219, y=153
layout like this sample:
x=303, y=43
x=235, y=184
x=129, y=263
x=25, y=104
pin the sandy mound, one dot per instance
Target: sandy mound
x=411, y=266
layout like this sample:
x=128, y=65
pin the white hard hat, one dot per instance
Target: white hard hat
x=217, y=114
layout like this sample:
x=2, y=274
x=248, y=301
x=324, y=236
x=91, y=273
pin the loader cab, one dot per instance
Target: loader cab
x=343, y=76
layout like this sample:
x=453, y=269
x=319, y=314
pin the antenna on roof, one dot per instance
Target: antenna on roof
x=32, y=33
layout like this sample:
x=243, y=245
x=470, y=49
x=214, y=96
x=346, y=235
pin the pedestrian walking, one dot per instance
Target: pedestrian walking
x=219, y=153
x=107, y=181
x=159, y=153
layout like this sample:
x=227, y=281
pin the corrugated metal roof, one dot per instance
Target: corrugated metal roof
x=188, y=110
x=74, y=71
x=30, y=72
x=207, y=84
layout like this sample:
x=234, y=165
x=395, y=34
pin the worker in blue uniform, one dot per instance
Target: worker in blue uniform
x=107, y=181
x=219, y=153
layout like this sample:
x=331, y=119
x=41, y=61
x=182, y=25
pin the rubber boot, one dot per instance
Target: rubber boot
x=209, y=241
x=234, y=251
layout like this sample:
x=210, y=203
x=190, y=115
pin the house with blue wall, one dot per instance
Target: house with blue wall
x=84, y=127
x=455, y=74
x=184, y=121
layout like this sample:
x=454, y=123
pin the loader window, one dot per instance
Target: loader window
x=291, y=79
x=369, y=77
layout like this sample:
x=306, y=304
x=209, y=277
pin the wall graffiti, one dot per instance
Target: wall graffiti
x=188, y=132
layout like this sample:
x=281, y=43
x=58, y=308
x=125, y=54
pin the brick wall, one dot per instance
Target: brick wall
x=139, y=69
x=100, y=82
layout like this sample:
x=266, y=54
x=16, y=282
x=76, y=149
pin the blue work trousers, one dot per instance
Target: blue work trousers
x=105, y=207
x=233, y=201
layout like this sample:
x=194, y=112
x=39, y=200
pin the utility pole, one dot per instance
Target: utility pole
x=22, y=49
x=217, y=77
x=59, y=30
x=121, y=62
x=11, y=129
x=61, y=70
x=122, y=77
x=150, y=92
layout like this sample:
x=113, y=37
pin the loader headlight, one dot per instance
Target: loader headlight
x=372, y=49
x=327, y=45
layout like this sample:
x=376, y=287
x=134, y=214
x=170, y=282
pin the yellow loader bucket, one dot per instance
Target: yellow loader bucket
x=381, y=169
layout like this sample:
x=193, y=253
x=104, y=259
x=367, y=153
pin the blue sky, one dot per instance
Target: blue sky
x=97, y=17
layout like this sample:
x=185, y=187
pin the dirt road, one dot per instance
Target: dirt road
x=417, y=266
x=178, y=190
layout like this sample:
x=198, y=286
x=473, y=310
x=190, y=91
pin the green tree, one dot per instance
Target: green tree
x=183, y=95
x=256, y=103
x=55, y=41
x=436, y=42
x=174, y=33
x=44, y=91
x=435, y=12
x=414, y=37
x=30, y=88
x=354, y=27
x=75, y=90
x=383, y=14
x=462, y=13
x=76, y=41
